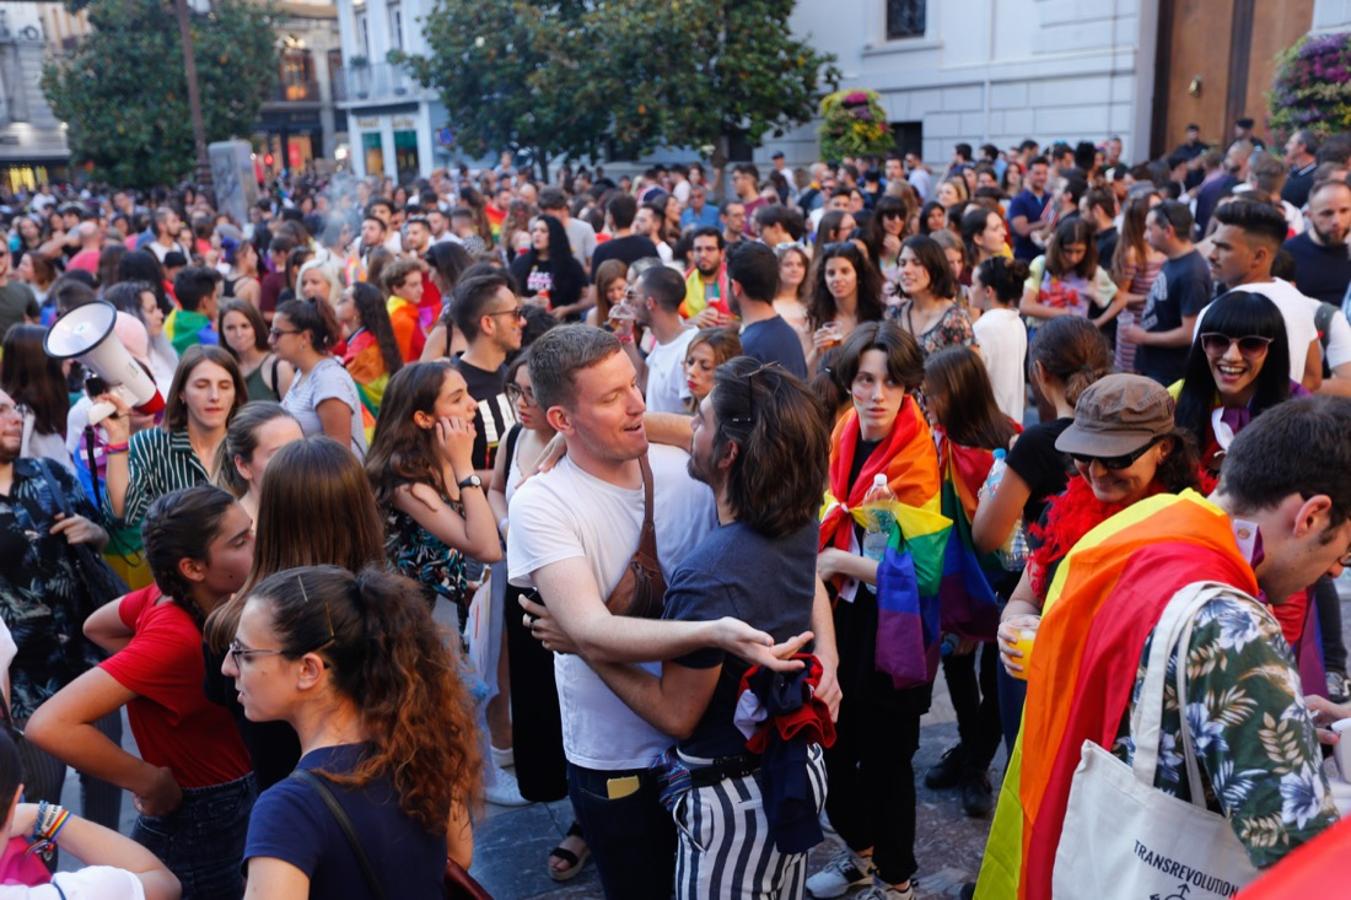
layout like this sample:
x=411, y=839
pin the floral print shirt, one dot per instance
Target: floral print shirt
x=1254, y=738
x=43, y=597
x=953, y=328
x=418, y=554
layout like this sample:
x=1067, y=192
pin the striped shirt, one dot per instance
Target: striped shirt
x=160, y=462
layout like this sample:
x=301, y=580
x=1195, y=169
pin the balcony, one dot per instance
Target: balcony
x=376, y=82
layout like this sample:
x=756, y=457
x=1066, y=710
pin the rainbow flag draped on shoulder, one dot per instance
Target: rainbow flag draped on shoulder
x=1107, y=596
x=910, y=573
x=367, y=367
x=970, y=606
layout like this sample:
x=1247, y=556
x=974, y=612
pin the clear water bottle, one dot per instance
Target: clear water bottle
x=1012, y=553
x=880, y=521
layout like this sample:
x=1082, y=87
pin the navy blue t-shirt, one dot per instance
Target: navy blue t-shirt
x=290, y=822
x=1028, y=205
x=768, y=583
x=774, y=340
x=1181, y=289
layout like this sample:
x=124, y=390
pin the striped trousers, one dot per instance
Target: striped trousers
x=725, y=849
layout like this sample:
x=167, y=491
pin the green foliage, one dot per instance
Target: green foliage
x=123, y=91
x=570, y=78
x=1312, y=88
x=853, y=123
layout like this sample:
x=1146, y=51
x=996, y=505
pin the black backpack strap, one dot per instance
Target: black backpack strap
x=510, y=445
x=344, y=823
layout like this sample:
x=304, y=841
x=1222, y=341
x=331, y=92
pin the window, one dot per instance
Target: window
x=395, y=26
x=905, y=18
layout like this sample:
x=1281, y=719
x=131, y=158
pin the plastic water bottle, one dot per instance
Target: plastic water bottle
x=1013, y=553
x=880, y=521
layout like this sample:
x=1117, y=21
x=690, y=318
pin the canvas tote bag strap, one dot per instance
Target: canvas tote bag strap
x=1148, y=713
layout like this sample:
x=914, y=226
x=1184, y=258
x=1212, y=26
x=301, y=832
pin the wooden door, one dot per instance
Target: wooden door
x=1214, y=64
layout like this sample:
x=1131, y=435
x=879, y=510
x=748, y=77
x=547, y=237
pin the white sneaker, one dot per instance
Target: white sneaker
x=504, y=759
x=845, y=871
x=881, y=891
x=503, y=789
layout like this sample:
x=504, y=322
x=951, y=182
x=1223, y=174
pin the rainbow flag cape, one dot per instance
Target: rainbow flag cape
x=968, y=601
x=911, y=570
x=184, y=328
x=367, y=368
x=1107, y=595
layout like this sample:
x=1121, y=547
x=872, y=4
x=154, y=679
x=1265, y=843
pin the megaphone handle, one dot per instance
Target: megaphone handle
x=103, y=409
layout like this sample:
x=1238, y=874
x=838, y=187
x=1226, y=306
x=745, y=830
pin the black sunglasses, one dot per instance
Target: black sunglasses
x=1217, y=344
x=1114, y=463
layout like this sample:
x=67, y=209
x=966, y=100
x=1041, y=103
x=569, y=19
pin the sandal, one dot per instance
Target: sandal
x=576, y=861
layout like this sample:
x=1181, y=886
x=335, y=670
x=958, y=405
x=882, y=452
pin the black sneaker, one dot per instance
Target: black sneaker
x=947, y=772
x=977, y=795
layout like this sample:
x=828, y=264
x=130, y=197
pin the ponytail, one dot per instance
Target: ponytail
x=181, y=526
x=1073, y=352
x=387, y=656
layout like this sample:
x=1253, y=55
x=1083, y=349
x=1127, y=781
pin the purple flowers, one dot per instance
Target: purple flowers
x=1313, y=86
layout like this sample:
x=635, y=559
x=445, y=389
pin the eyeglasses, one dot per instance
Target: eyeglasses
x=1217, y=344
x=516, y=393
x=516, y=311
x=1114, y=463
x=278, y=332
x=238, y=651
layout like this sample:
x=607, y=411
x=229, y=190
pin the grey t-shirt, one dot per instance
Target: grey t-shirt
x=328, y=380
x=582, y=239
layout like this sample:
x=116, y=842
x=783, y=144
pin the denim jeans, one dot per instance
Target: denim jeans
x=202, y=842
x=632, y=838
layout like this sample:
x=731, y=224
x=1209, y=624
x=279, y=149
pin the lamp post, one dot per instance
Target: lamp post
x=194, y=92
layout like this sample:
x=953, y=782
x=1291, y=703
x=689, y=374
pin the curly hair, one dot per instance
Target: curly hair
x=387, y=655
x=821, y=304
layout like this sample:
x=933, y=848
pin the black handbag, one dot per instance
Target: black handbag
x=103, y=583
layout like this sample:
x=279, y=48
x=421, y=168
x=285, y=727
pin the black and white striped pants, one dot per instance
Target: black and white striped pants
x=725, y=848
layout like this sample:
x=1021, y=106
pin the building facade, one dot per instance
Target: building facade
x=999, y=71
x=301, y=123
x=33, y=148
x=395, y=126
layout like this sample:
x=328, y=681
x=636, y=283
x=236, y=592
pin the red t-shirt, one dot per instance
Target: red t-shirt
x=174, y=724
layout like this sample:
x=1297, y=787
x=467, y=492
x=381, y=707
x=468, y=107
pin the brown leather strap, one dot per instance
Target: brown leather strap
x=647, y=540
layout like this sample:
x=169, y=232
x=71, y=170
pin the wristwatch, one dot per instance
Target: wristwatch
x=471, y=481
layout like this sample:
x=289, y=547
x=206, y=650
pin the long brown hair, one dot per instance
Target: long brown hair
x=1131, y=248
x=1075, y=231
x=315, y=508
x=970, y=417
x=387, y=655
x=248, y=311
x=401, y=452
x=606, y=273
x=34, y=379
x=175, y=407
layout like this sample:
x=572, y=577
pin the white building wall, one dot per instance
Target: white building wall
x=991, y=71
x=1331, y=15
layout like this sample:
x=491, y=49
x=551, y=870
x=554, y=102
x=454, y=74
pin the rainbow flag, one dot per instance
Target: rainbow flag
x=911, y=571
x=1107, y=596
x=968, y=602
x=367, y=367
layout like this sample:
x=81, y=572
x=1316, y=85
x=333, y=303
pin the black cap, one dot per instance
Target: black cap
x=1244, y=122
x=777, y=154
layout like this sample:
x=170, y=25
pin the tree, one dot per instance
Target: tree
x=123, y=94
x=573, y=77
x=506, y=73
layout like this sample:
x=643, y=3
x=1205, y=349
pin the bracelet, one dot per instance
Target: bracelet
x=626, y=339
x=116, y=448
x=51, y=818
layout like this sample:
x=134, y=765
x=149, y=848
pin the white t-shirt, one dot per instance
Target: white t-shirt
x=1003, y=346
x=89, y=883
x=1298, y=312
x=566, y=514
x=666, y=387
x=582, y=239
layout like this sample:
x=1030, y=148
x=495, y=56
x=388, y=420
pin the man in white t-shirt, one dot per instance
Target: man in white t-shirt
x=656, y=305
x=573, y=531
x=1242, y=250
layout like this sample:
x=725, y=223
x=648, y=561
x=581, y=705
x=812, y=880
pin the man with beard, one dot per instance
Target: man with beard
x=1322, y=263
x=573, y=534
x=491, y=319
x=44, y=600
x=708, y=295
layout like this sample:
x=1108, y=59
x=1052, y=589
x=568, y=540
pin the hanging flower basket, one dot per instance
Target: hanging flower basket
x=1313, y=87
x=853, y=123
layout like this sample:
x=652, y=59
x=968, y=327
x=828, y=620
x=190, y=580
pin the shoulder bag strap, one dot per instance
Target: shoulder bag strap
x=53, y=486
x=344, y=823
x=647, y=542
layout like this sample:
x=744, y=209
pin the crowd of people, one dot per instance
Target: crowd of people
x=671, y=494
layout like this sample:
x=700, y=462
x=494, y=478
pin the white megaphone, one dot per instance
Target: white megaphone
x=86, y=333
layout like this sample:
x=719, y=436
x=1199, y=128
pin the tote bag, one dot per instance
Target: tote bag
x=1122, y=837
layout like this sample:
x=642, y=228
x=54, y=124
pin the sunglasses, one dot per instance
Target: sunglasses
x=1217, y=344
x=1114, y=463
